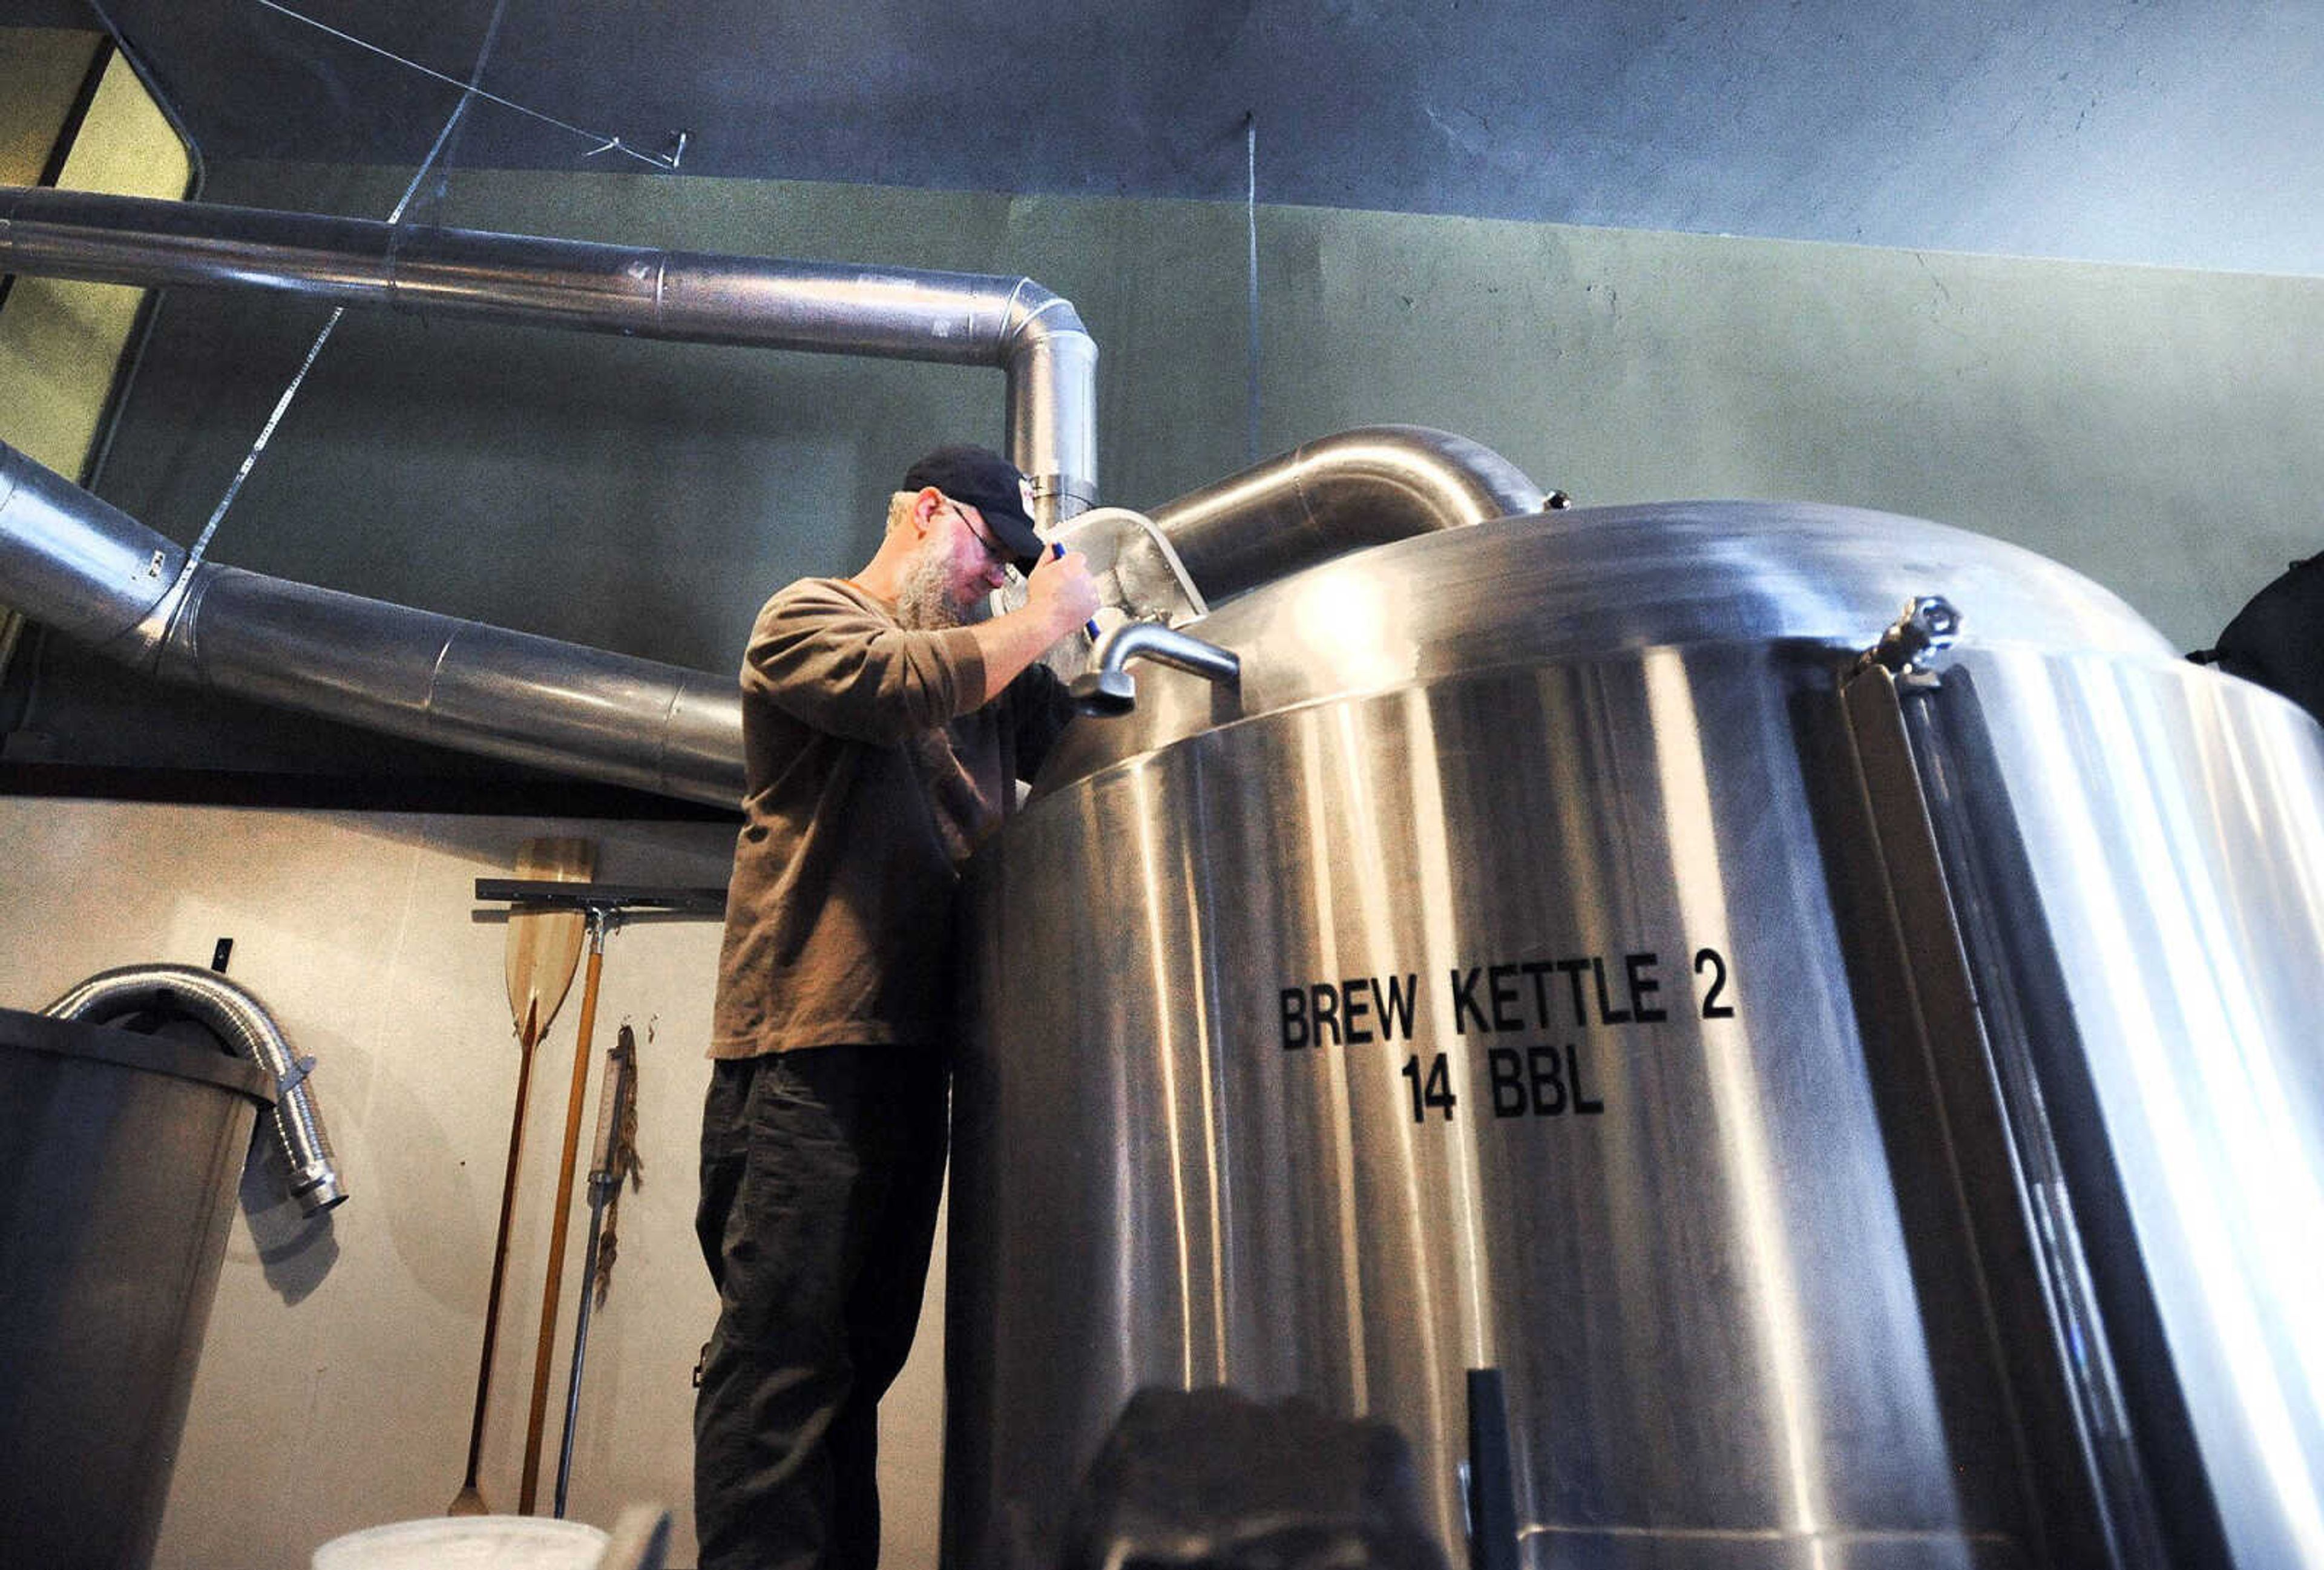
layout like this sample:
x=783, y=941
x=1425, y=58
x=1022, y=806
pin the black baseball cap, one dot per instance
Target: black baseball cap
x=992, y=485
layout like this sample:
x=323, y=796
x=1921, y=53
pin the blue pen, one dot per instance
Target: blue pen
x=1057, y=552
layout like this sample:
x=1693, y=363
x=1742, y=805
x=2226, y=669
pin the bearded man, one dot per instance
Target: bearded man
x=883, y=731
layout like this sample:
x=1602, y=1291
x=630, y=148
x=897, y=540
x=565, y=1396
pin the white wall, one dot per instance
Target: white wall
x=335, y=1381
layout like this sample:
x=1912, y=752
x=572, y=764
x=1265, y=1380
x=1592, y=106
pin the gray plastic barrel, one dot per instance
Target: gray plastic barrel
x=119, y=1159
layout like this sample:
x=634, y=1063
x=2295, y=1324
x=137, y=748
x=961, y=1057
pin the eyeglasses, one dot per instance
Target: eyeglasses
x=992, y=550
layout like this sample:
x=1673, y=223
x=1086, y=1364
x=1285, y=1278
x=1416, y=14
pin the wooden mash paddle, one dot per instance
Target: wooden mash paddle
x=543, y=948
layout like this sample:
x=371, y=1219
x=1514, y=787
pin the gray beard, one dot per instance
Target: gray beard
x=924, y=602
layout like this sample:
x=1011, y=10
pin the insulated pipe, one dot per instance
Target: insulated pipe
x=238, y=1018
x=77, y=563
x=887, y=312
x=1367, y=486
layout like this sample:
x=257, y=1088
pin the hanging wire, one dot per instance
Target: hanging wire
x=468, y=95
x=265, y=434
x=469, y=92
x=1250, y=225
x=605, y=143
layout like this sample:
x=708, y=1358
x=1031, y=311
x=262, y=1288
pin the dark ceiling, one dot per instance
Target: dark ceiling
x=2181, y=131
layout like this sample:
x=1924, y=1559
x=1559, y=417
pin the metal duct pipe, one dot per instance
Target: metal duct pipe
x=82, y=567
x=887, y=312
x=77, y=563
x=1367, y=486
x=238, y=1018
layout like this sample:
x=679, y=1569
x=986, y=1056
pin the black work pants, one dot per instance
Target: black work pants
x=821, y=1169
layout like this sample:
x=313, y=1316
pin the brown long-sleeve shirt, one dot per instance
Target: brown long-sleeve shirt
x=870, y=775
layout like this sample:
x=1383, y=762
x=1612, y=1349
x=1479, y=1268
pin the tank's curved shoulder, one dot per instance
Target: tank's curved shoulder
x=1561, y=587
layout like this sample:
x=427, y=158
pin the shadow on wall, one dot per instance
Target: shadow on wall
x=296, y=1251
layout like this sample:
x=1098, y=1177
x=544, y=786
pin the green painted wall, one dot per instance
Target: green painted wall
x=2157, y=429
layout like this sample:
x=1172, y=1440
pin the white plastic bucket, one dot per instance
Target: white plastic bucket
x=466, y=1542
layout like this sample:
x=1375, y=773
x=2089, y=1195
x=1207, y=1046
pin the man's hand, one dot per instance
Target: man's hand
x=1059, y=596
x=1061, y=592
